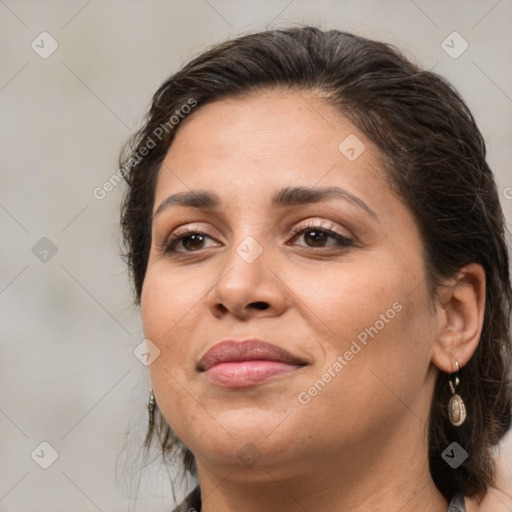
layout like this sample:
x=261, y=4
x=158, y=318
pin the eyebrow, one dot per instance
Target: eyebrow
x=195, y=199
x=296, y=196
x=289, y=196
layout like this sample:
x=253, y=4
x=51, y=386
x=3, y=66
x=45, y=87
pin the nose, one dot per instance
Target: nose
x=247, y=288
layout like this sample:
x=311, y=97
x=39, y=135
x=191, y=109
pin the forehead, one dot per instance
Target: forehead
x=268, y=140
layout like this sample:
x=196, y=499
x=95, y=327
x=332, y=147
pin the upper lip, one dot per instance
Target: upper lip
x=248, y=350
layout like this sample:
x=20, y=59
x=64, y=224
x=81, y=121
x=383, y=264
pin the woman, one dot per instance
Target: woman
x=317, y=246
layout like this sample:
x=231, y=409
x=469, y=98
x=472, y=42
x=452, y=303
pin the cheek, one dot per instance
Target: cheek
x=395, y=340
x=375, y=371
x=375, y=316
x=166, y=300
x=169, y=310
x=353, y=296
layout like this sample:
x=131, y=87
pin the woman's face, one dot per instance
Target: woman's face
x=335, y=278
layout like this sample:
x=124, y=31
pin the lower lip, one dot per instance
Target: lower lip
x=242, y=374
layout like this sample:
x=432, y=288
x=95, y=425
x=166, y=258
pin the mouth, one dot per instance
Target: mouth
x=239, y=364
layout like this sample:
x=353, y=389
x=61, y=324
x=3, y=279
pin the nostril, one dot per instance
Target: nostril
x=260, y=305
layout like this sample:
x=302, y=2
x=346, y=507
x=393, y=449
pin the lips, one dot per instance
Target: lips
x=250, y=350
x=241, y=364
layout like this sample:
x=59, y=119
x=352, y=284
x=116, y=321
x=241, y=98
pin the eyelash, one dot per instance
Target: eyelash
x=328, y=230
x=175, y=238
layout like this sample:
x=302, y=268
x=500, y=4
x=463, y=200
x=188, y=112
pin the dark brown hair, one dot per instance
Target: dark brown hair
x=434, y=155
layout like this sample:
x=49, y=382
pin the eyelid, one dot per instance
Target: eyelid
x=182, y=230
x=322, y=224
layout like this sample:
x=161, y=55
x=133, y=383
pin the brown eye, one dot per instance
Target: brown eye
x=189, y=241
x=316, y=237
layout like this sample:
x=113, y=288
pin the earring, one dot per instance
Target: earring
x=456, y=407
x=151, y=404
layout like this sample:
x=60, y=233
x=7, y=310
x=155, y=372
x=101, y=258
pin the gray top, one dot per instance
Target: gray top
x=192, y=503
x=457, y=504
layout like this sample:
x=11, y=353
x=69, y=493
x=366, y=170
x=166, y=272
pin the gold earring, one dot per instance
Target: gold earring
x=456, y=407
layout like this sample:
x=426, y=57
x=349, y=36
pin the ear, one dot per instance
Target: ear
x=460, y=307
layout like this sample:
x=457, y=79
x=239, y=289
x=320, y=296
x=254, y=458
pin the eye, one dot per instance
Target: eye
x=315, y=236
x=188, y=240
x=318, y=235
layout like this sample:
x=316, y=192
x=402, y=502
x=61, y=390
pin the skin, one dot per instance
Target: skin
x=360, y=443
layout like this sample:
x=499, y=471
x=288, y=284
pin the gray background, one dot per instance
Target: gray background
x=68, y=375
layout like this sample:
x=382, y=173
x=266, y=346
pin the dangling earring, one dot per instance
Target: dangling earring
x=151, y=404
x=151, y=417
x=456, y=407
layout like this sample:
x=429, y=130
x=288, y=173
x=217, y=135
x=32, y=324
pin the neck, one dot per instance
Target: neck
x=369, y=477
